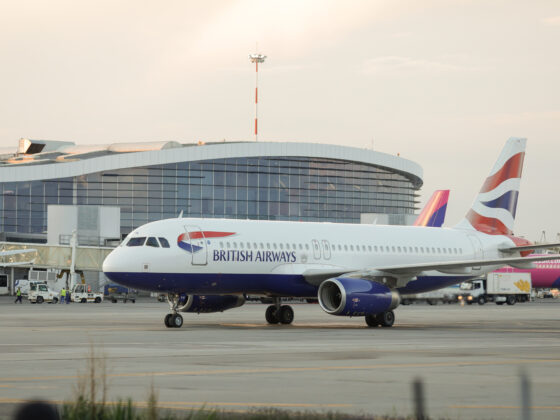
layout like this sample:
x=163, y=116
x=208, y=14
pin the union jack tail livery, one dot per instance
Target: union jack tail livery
x=493, y=211
x=433, y=214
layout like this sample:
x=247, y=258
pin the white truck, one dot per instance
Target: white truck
x=445, y=295
x=499, y=288
x=39, y=292
x=82, y=293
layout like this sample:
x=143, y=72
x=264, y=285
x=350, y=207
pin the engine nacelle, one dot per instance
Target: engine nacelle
x=356, y=297
x=210, y=303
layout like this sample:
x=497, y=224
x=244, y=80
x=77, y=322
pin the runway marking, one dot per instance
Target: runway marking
x=508, y=407
x=289, y=369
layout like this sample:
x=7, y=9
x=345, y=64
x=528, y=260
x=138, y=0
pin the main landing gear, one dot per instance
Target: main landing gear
x=384, y=319
x=279, y=314
x=174, y=319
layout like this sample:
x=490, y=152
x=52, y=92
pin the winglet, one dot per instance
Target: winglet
x=433, y=213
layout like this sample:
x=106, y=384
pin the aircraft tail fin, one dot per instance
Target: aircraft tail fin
x=493, y=210
x=433, y=213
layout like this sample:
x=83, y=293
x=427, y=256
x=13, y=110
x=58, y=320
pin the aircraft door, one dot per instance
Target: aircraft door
x=196, y=245
x=326, y=249
x=316, y=249
x=477, y=249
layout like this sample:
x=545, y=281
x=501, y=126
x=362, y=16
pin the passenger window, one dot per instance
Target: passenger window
x=255, y=245
x=164, y=243
x=268, y=245
x=228, y=245
x=138, y=241
x=152, y=242
x=300, y=247
x=307, y=247
x=399, y=249
x=281, y=246
x=433, y=250
x=241, y=245
x=369, y=248
x=346, y=247
x=351, y=247
x=393, y=249
x=261, y=245
x=439, y=251
x=221, y=244
x=274, y=245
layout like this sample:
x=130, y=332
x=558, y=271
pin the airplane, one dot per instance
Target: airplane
x=433, y=213
x=545, y=274
x=209, y=265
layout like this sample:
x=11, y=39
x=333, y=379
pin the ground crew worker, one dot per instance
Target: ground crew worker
x=62, y=295
x=18, y=295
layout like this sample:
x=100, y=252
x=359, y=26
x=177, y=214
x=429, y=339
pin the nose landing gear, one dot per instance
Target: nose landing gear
x=174, y=319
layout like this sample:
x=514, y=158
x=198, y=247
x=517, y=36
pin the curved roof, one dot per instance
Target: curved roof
x=69, y=165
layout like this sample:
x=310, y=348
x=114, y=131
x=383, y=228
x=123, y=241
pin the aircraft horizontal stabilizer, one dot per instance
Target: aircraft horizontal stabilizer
x=453, y=265
x=529, y=247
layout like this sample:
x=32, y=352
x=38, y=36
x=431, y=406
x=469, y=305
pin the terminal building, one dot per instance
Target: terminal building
x=49, y=189
x=245, y=180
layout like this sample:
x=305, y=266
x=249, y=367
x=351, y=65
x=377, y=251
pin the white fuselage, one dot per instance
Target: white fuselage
x=245, y=256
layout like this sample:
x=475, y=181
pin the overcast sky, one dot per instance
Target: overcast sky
x=443, y=83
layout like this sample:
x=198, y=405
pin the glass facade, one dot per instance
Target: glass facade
x=267, y=188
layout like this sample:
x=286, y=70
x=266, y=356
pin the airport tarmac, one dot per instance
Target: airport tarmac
x=469, y=357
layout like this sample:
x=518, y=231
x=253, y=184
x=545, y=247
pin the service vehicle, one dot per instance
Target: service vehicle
x=446, y=295
x=114, y=293
x=499, y=288
x=39, y=292
x=82, y=293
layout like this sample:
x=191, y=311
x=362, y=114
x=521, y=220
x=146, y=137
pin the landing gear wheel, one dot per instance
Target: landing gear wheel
x=286, y=314
x=176, y=321
x=511, y=300
x=271, y=315
x=167, y=321
x=372, y=321
x=386, y=319
x=481, y=300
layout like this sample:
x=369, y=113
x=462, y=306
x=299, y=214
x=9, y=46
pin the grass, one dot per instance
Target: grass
x=90, y=403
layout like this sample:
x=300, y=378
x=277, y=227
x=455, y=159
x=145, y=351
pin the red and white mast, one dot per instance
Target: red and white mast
x=257, y=58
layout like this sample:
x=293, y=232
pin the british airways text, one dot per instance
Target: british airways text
x=258, y=256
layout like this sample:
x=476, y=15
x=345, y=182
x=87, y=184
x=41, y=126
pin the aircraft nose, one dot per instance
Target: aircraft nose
x=110, y=264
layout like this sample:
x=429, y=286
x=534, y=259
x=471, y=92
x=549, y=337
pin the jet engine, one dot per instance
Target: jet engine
x=209, y=303
x=355, y=297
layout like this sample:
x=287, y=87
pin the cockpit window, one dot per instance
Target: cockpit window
x=163, y=242
x=152, y=242
x=138, y=241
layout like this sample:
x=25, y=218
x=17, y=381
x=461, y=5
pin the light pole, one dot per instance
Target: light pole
x=257, y=58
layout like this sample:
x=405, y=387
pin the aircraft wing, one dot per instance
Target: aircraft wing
x=530, y=247
x=317, y=276
x=451, y=266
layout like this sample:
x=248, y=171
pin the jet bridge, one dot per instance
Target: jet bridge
x=87, y=258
